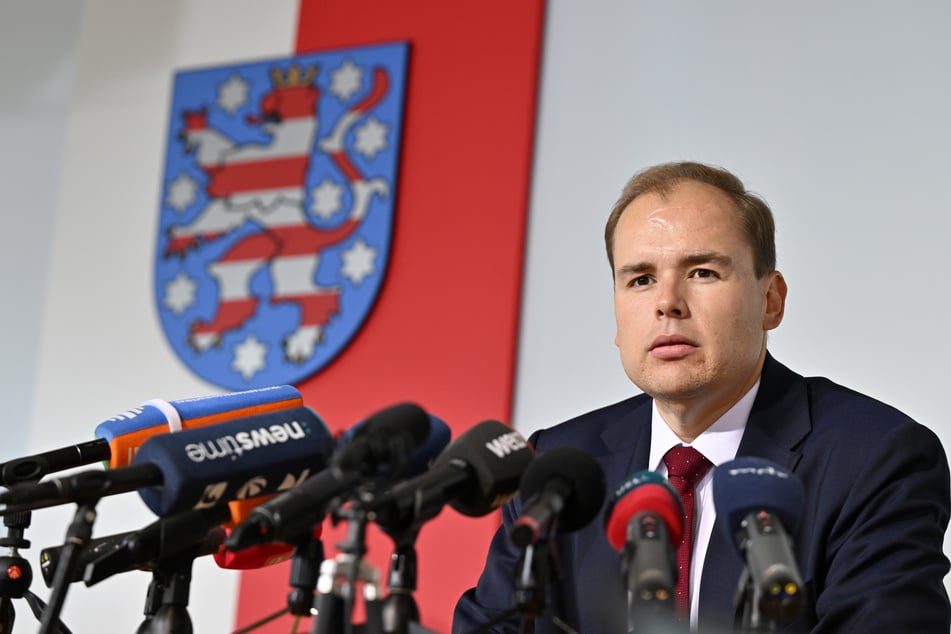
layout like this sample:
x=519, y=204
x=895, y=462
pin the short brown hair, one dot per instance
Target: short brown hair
x=756, y=220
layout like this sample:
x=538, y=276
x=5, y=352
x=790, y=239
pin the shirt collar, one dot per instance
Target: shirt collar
x=718, y=443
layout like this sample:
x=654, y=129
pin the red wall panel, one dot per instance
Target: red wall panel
x=444, y=330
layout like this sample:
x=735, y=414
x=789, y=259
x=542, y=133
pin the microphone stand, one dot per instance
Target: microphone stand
x=746, y=617
x=166, y=604
x=17, y=574
x=534, y=569
x=77, y=537
x=305, y=572
x=153, y=601
x=337, y=586
x=531, y=580
x=400, y=612
x=531, y=590
x=168, y=548
x=399, y=607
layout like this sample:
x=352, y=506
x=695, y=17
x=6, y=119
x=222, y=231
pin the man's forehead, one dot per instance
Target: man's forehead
x=677, y=225
x=658, y=206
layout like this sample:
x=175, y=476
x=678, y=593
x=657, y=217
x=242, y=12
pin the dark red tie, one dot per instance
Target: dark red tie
x=685, y=468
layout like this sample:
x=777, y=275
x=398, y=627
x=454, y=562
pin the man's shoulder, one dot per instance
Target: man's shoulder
x=827, y=400
x=594, y=424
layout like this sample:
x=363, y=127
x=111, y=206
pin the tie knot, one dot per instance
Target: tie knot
x=687, y=465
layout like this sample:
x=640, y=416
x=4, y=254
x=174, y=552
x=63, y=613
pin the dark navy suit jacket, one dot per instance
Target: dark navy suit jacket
x=869, y=546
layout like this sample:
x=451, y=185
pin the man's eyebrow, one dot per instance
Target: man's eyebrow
x=693, y=259
x=709, y=257
x=635, y=268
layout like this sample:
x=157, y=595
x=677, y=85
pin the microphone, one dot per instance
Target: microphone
x=376, y=445
x=119, y=437
x=563, y=487
x=475, y=474
x=388, y=437
x=644, y=521
x=126, y=432
x=96, y=547
x=199, y=468
x=165, y=541
x=438, y=435
x=268, y=554
x=758, y=500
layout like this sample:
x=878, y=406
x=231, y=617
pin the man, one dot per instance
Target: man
x=695, y=293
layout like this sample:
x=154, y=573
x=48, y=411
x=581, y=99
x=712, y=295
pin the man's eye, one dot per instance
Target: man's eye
x=704, y=273
x=642, y=280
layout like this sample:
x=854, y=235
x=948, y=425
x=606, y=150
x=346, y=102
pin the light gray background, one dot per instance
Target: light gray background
x=837, y=113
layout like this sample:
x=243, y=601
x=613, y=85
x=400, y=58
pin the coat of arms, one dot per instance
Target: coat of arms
x=277, y=210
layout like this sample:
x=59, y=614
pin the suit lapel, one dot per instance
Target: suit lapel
x=779, y=421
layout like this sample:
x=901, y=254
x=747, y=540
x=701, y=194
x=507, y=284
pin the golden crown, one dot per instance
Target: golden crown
x=294, y=77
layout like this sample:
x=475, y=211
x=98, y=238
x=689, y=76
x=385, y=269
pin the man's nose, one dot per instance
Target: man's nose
x=671, y=301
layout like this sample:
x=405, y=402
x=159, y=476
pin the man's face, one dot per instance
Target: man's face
x=691, y=315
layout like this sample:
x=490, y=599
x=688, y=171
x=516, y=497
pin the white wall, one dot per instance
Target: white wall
x=37, y=65
x=101, y=349
x=836, y=114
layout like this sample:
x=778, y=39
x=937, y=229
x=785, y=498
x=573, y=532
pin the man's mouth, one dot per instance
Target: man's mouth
x=671, y=347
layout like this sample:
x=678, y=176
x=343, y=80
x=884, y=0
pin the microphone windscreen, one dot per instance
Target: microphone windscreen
x=576, y=468
x=207, y=410
x=437, y=438
x=236, y=460
x=390, y=435
x=240, y=509
x=749, y=485
x=497, y=456
x=406, y=418
x=640, y=492
x=126, y=432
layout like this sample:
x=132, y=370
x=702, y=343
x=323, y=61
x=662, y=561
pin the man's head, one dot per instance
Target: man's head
x=695, y=289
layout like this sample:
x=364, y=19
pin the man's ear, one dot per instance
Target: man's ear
x=775, y=301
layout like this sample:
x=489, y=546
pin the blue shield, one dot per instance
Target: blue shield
x=277, y=210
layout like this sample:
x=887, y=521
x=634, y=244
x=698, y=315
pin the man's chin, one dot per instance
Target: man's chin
x=671, y=387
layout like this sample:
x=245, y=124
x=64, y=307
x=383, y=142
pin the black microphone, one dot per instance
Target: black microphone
x=96, y=547
x=757, y=501
x=475, y=474
x=199, y=468
x=39, y=465
x=390, y=436
x=385, y=439
x=183, y=536
x=644, y=521
x=563, y=487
